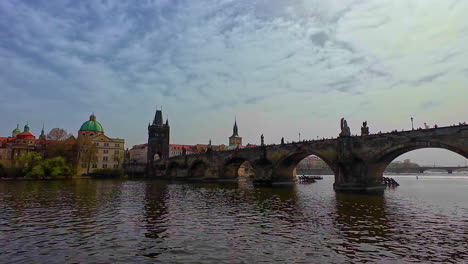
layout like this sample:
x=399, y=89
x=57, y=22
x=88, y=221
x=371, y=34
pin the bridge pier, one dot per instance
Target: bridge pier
x=353, y=173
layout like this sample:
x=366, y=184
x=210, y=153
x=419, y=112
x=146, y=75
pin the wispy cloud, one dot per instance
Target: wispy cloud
x=221, y=58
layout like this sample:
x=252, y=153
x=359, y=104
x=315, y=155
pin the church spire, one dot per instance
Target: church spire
x=42, y=136
x=235, y=132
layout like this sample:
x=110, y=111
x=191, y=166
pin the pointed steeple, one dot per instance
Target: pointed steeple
x=42, y=136
x=235, y=132
x=167, y=121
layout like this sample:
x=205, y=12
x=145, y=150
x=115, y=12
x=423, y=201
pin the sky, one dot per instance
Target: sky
x=279, y=67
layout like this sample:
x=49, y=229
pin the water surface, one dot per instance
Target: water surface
x=108, y=221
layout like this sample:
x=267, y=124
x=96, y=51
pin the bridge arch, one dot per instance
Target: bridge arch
x=284, y=168
x=198, y=169
x=231, y=168
x=383, y=159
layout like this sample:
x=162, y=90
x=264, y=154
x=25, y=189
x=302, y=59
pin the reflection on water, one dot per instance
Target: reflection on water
x=149, y=221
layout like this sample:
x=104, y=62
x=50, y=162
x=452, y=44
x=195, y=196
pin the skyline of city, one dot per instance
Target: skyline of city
x=282, y=68
x=424, y=157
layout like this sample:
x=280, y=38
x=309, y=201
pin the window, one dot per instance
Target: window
x=105, y=158
x=96, y=143
x=116, y=158
x=1, y=157
x=106, y=144
x=104, y=166
x=94, y=166
x=117, y=145
x=106, y=151
x=83, y=166
x=116, y=152
x=116, y=166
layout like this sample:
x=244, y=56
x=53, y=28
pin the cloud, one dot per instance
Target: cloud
x=429, y=78
x=210, y=60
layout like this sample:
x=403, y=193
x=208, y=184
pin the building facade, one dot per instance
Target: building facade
x=310, y=162
x=19, y=142
x=109, y=151
x=138, y=154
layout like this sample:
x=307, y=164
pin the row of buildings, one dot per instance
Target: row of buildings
x=159, y=146
x=109, y=151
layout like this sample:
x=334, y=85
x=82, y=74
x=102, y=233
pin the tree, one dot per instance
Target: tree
x=59, y=134
x=54, y=168
x=86, y=152
x=28, y=160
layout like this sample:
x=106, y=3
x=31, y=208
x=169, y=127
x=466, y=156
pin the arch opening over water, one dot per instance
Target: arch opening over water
x=418, y=159
x=237, y=169
x=285, y=169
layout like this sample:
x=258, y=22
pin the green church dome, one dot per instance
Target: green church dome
x=92, y=125
x=17, y=130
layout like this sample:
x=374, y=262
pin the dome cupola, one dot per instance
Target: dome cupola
x=91, y=126
x=16, y=131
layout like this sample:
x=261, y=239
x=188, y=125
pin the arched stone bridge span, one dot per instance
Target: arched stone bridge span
x=356, y=161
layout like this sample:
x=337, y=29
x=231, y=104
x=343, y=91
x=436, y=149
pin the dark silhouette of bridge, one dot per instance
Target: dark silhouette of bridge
x=357, y=162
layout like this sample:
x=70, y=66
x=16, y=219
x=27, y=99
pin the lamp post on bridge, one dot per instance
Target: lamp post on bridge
x=299, y=136
x=412, y=126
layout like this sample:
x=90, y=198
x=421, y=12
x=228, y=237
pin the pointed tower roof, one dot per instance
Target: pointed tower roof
x=158, y=119
x=235, y=131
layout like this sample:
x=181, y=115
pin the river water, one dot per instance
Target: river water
x=113, y=221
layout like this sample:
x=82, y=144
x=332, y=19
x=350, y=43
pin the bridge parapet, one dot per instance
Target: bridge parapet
x=357, y=161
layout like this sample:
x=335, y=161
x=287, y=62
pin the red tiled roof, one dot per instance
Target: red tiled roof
x=25, y=135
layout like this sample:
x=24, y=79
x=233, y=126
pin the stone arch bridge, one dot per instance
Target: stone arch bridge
x=356, y=161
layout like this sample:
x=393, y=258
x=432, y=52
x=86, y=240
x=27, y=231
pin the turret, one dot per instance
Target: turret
x=16, y=131
x=42, y=136
x=26, y=127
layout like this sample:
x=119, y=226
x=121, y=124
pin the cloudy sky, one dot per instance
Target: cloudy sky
x=281, y=67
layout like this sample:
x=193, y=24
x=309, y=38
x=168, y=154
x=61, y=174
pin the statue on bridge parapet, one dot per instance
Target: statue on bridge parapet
x=282, y=140
x=184, y=151
x=262, y=140
x=345, y=131
x=364, y=129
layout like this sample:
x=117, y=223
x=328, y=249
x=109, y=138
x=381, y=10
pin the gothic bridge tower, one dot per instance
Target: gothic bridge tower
x=158, y=139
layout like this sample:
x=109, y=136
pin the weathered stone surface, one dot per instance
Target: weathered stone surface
x=357, y=161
